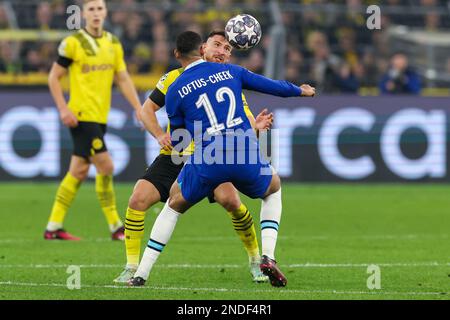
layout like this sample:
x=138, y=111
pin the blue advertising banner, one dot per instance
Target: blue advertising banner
x=321, y=139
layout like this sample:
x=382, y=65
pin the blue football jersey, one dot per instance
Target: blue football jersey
x=210, y=94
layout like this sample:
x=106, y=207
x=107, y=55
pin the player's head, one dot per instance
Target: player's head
x=216, y=48
x=94, y=12
x=399, y=61
x=188, y=45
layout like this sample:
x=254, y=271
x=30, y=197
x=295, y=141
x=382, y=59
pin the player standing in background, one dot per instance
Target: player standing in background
x=209, y=93
x=154, y=186
x=94, y=59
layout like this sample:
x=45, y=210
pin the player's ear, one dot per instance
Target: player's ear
x=176, y=53
x=202, y=49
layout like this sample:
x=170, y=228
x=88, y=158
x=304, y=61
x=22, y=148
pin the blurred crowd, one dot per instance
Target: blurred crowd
x=329, y=48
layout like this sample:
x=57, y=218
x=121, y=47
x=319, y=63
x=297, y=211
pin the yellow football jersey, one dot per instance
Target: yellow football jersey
x=163, y=85
x=95, y=60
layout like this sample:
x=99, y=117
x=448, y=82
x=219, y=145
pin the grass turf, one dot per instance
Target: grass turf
x=328, y=236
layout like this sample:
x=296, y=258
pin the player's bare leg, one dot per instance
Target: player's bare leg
x=227, y=196
x=105, y=193
x=144, y=196
x=78, y=171
x=79, y=167
x=161, y=233
x=270, y=220
x=176, y=200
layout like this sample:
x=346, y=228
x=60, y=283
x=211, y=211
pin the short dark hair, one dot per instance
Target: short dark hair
x=216, y=33
x=188, y=42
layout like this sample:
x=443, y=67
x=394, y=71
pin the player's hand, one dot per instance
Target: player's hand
x=165, y=142
x=68, y=118
x=137, y=119
x=307, y=90
x=138, y=115
x=264, y=120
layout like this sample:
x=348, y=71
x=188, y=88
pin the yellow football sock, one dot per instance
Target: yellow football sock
x=105, y=193
x=134, y=232
x=245, y=228
x=64, y=198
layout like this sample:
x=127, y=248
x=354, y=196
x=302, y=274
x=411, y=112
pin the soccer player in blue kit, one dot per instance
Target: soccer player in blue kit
x=207, y=96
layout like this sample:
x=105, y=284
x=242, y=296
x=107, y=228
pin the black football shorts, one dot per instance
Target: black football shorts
x=88, y=139
x=162, y=173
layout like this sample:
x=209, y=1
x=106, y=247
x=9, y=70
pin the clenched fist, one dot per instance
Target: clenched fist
x=307, y=90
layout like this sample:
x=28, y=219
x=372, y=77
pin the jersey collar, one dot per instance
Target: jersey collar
x=193, y=64
x=91, y=35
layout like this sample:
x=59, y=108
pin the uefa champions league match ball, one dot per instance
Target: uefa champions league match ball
x=243, y=31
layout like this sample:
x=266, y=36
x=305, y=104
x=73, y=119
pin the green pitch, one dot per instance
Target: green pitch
x=329, y=234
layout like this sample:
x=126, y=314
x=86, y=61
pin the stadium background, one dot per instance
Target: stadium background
x=351, y=132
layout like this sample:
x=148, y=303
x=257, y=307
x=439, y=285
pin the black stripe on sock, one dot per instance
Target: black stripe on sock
x=243, y=224
x=154, y=248
x=244, y=220
x=134, y=224
x=134, y=220
x=134, y=229
x=163, y=244
x=269, y=227
x=240, y=218
x=270, y=221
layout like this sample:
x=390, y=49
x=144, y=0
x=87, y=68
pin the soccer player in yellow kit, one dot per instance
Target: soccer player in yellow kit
x=93, y=58
x=154, y=186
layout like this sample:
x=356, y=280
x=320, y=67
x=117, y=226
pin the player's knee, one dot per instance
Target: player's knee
x=177, y=203
x=174, y=202
x=276, y=183
x=80, y=173
x=274, y=186
x=109, y=169
x=230, y=202
x=140, y=201
x=105, y=168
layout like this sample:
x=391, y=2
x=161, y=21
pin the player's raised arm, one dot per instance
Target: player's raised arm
x=282, y=88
